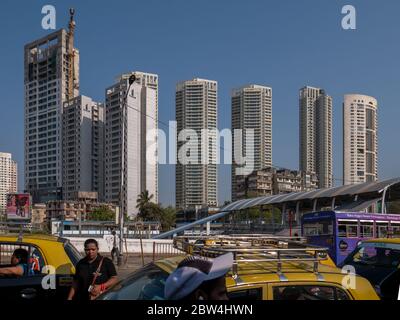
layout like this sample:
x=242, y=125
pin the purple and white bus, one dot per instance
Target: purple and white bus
x=342, y=231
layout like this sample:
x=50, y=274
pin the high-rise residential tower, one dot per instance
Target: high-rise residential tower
x=8, y=178
x=196, y=112
x=360, y=144
x=131, y=165
x=252, y=110
x=83, y=142
x=316, y=134
x=51, y=78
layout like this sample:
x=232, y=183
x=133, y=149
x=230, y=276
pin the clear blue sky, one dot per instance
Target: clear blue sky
x=281, y=43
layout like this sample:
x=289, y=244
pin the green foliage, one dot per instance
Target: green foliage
x=102, y=213
x=168, y=218
x=150, y=211
x=143, y=200
x=393, y=207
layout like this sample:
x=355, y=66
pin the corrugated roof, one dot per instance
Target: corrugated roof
x=347, y=190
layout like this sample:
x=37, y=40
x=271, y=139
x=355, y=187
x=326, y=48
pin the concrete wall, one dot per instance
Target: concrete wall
x=132, y=245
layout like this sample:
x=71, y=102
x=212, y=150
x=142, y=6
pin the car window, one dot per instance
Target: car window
x=72, y=253
x=35, y=261
x=145, y=284
x=247, y=294
x=384, y=255
x=308, y=292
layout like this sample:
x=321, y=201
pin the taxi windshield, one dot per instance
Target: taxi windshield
x=377, y=254
x=145, y=284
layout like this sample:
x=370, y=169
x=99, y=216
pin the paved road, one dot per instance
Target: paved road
x=132, y=263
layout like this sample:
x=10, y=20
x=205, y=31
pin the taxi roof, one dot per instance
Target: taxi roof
x=28, y=237
x=263, y=273
x=254, y=268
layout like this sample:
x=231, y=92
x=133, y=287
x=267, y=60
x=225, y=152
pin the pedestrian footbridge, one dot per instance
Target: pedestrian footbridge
x=349, y=198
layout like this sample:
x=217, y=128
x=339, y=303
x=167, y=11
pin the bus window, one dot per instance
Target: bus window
x=382, y=229
x=321, y=228
x=366, y=229
x=347, y=229
x=395, y=230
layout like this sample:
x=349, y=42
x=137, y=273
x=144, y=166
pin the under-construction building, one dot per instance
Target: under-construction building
x=51, y=77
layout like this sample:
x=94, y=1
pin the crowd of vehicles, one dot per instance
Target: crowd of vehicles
x=265, y=268
x=306, y=267
x=341, y=232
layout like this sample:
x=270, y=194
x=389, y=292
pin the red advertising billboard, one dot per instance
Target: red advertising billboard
x=18, y=206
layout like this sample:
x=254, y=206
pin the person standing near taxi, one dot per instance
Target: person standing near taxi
x=94, y=274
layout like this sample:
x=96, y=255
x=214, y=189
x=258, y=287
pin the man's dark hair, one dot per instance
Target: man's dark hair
x=21, y=255
x=89, y=241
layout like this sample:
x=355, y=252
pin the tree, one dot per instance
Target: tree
x=168, y=218
x=102, y=213
x=145, y=206
x=393, y=207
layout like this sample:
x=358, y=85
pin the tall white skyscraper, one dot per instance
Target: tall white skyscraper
x=196, y=110
x=83, y=142
x=131, y=165
x=316, y=134
x=51, y=78
x=252, y=110
x=8, y=178
x=360, y=143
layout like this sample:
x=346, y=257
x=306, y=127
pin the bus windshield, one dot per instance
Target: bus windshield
x=320, y=228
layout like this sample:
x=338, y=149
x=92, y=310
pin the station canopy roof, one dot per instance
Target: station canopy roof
x=369, y=191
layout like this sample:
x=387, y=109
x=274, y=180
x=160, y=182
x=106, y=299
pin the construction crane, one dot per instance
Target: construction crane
x=71, y=55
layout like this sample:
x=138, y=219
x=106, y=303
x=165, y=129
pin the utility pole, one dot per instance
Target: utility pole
x=131, y=80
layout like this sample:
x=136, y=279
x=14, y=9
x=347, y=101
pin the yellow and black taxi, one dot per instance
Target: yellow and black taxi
x=378, y=260
x=51, y=266
x=264, y=269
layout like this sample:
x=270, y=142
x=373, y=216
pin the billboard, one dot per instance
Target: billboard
x=18, y=206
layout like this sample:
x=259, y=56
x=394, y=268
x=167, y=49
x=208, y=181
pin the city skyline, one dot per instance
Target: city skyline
x=315, y=134
x=50, y=80
x=196, y=110
x=360, y=147
x=252, y=110
x=8, y=178
x=130, y=168
x=285, y=127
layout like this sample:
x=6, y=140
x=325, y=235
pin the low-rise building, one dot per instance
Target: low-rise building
x=271, y=181
x=38, y=214
x=73, y=210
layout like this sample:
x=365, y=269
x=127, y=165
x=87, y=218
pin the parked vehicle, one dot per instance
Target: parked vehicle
x=47, y=254
x=340, y=232
x=378, y=260
x=266, y=269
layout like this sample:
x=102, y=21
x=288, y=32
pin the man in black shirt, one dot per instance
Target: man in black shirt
x=94, y=274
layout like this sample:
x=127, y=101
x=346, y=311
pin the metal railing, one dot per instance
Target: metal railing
x=18, y=227
x=161, y=250
x=98, y=229
x=250, y=249
x=252, y=228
